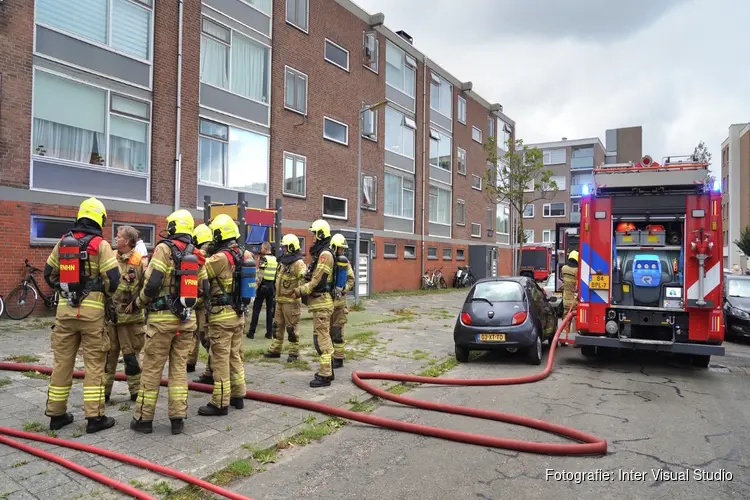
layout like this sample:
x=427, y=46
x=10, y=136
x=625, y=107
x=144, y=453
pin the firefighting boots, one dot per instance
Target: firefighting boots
x=237, y=403
x=203, y=379
x=96, y=424
x=292, y=358
x=178, y=425
x=338, y=363
x=131, y=365
x=321, y=381
x=212, y=411
x=142, y=426
x=270, y=354
x=190, y=368
x=60, y=421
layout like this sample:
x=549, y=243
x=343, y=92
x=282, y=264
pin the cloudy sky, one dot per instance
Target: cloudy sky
x=574, y=68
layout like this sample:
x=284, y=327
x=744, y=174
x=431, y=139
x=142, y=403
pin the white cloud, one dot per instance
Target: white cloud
x=680, y=69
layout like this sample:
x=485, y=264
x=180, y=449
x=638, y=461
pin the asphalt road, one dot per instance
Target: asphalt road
x=654, y=413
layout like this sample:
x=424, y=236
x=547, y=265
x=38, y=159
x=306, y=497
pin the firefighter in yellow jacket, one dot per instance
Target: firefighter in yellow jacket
x=290, y=276
x=126, y=330
x=202, y=238
x=175, y=285
x=570, y=291
x=320, y=303
x=226, y=318
x=83, y=269
x=343, y=283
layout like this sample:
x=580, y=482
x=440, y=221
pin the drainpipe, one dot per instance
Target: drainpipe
x=425, y=125
x=178, y=149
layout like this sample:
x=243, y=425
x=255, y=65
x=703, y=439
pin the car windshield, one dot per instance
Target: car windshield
x=499, y=291
x=551, y=280
x=739, y=288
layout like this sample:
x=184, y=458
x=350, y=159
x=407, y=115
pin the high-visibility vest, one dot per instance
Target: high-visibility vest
x=269, y=268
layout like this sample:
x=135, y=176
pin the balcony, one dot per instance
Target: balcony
x=576, y=190
x=575, y=217
x=582, y=163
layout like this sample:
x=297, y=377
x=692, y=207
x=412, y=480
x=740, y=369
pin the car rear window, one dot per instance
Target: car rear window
x=499, y=291
x=738, y=288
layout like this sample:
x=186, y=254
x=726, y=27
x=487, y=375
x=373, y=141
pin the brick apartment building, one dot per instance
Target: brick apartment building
x=572, y=163
x=735, y=189
x=153, y=107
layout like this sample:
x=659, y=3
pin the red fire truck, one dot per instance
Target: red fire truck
x=650, y=269
x=536, y=262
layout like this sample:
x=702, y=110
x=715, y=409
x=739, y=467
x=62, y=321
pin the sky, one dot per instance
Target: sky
x=575, y=68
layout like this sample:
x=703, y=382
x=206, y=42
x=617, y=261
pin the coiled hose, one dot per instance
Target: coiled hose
x=587, y=443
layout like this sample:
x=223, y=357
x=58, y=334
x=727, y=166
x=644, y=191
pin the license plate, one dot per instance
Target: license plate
x=492, y=337
x=599, y=282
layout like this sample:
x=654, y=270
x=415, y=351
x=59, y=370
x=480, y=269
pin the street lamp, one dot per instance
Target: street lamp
x=362, y=111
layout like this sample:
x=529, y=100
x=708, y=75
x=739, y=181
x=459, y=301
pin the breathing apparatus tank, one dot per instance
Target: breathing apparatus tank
x=188, y=288
x=248, y=281
x=342, y=266
x=70, y=265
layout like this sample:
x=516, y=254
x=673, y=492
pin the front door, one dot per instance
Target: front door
x=364, y=264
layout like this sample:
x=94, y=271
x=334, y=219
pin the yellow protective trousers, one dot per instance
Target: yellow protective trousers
x=286, y=322
x=227, y=361
x=322, y=339
x=338, y=321
x=134, y=335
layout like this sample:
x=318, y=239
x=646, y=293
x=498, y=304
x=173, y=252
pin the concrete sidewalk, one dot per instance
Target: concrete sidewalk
x=403, y=334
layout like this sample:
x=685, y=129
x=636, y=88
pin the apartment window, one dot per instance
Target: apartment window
x=440, y=150
x=505, y=137
x=554, y=209
x=559, y=180
x=297, y=13
x=390, y=250
x=233, y=158
x=399, y=196
x=432, y=253
x=234, y=62
x=575, y=207
x=86, y=124
x=48, y=230
x=369, y=192
x=502, y=222
x=440, y=205
x=302, y=244
x=400, y=69
x=461, y=161
x=476, y=230
x=476, y=134
x=460, y=213
x=295, y=90
x=490, y=127
x=370, y=124
x=476, y=182
x=582, y=157
x=335, y=208
x=121, y=25
x=460, y=253
x=461, y=111
x=335, y=131
x=553, y=156
x=146, y=232
x=490, y=220
x=265, y=6
x=528, y=236
x=336, y=55
x=548, y=236
x=410, y=252
x=295, y=183
x=528, y=211
x=447, y=253
x=371, y=51
x=441, y=95
x=531, y=186
x=399, y=133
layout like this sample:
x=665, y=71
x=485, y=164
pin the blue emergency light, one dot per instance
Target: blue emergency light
x=717, y=185
x=647, y=271
x=585, y=189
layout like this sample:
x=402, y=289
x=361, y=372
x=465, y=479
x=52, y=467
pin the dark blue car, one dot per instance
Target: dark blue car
x=510, y=313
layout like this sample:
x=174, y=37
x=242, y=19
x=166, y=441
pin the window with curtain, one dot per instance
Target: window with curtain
x=234, y=62
x=130, y=22
x=294, y=175
x=440, y=205
x=441, y=96
x=295, y=90
x=70, y=123
x=296, y=13
x=460, y=213
x=369, y=192
x=399, y=196
x=440, y=149
x=502, y=222
x=400, y=69
x=265, y=6
x=399, y=133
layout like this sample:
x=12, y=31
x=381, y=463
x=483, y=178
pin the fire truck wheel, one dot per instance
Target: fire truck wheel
x=701, y=361
x=588, y=350
x=534, y=351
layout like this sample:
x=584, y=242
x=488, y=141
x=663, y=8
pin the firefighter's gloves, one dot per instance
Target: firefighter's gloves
x=296, y=293
x=129, y=308
x=338, y=292
x=110, y=312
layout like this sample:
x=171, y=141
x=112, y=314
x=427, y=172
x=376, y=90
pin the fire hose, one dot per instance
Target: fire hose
x=587, y=445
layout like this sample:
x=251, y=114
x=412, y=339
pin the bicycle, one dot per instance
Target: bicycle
x=2, y=306
x=433, y=279
x=20, y=294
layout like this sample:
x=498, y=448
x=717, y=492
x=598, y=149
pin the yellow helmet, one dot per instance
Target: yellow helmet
x=338, y=241
x=93, y=209
x=202, y=234
x=573, y=255
x=290, y=243
x=321, y=229
x=224, y=228
x=180, y=222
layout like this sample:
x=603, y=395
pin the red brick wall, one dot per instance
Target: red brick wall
x=16, y=40
x=331, y=167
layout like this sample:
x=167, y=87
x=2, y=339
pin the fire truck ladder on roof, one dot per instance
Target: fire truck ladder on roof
x=647, y=174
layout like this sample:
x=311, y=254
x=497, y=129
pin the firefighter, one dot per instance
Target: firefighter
x=126, y=329
x=291, y=272
x=175, y=286
x=344, y=282
x=226, y=320
x=83, y=269
x=266, y=290
x=570, y=290
x=202, y=237
x=319, y=280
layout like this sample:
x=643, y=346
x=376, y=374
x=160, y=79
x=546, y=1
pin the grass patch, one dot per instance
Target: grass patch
x=312, y=432
x=136, y=484
x=51, y=433
x=23, y=358
x=235, y=470
x=19, y=464
x=5, y=381
x=439, y=369
x=124, y=407
x=263, y=456
x=399, y=389
x=299, y=364
x=442, y=314
x=256, y=354
x=411, y=293
x=416, y=354
x=357, y=306
x=366, y=406
x=35, y=374
x=33, y=427
x=162, y=488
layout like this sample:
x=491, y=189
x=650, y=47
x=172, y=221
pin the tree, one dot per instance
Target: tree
x=702, y=154
x=744, y=242
x=509, y=176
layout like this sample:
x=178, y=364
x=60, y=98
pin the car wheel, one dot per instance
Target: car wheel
x=588, y=350
x=462, y=354
x=534, y=352
x=701, y=361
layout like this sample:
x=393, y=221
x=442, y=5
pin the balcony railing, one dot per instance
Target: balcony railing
x=576, y=190
x=575, y=217
x=586, y=162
